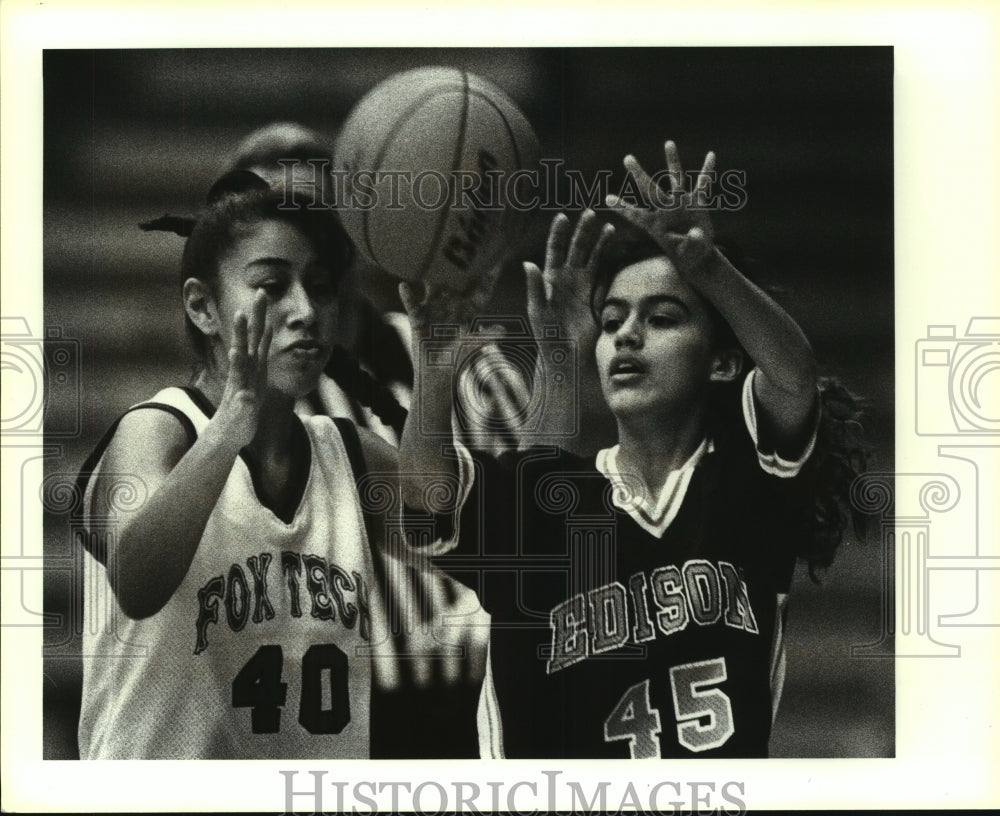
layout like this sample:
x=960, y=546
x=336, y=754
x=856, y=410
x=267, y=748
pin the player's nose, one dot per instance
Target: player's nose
x=629, y=334
x=299, y=305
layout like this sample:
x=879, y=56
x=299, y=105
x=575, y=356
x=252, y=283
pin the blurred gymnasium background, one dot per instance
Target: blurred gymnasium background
x=131, y=135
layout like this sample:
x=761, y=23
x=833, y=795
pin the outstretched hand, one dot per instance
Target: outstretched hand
x=428, y=306
x=246, y=380
x=560, y=295
x=492, y=395
x=677, y=220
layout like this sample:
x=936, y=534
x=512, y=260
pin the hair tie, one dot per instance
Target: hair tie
x=234, y=182
x=181, y=225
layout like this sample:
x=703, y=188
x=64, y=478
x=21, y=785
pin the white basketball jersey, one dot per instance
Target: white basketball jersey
x=261, y=651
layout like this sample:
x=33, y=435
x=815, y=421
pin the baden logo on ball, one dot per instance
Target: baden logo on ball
x=432, y=158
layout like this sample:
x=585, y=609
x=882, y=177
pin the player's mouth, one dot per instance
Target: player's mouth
x=306, y=349
x=625, y=369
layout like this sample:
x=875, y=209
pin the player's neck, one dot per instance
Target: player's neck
x=651, y=448
x=274, y=426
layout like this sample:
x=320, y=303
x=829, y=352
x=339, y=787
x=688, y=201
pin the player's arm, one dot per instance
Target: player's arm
x=785, y=388
x=559, y=298
x=785, y=384
x=428, y=428
x=151, y=547
x=380, y=456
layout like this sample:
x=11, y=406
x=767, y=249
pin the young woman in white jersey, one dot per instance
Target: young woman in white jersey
x=237, y=607
x=637, y=599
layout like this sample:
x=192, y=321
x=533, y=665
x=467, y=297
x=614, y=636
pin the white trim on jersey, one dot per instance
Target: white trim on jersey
x=488, y=721
x=778, y=654
x=771, y=462
x=654, y=518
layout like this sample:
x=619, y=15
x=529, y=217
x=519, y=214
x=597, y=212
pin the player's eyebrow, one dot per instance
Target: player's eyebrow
x=655, y=300
x=268, y=261
x=652, y=300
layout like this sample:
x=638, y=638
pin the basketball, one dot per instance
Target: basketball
x=430, y=161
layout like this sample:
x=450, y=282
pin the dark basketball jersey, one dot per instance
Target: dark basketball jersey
x=619, y=633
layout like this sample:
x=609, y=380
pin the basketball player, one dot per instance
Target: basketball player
x=638, y=597
x=369, y=373
x=369, y=377
x=238, y=608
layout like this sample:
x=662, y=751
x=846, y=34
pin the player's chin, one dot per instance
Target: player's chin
x=296, y=379
x=629, y=402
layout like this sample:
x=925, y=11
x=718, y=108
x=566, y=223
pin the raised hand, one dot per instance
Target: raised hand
x=560, y=295
x=430, y=416
x=246, y=381
x=677, y=220
x=428, y=306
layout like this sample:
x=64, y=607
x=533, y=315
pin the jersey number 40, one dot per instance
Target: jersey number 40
x=704, y=715
x=259, y=687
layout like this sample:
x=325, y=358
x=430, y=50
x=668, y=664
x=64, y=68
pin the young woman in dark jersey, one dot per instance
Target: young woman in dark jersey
x=637, y=598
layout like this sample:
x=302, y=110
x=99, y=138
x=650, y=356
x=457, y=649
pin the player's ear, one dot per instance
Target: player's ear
x=200, y=306
x=726, y=365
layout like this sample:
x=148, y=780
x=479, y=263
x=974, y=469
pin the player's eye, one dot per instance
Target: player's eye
x=611, y=321
x=321, y=286
x=272, y=287
x=662, y=320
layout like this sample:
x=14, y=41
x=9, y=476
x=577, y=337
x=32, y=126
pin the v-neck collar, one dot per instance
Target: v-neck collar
x=631, y=496
x=302, y=452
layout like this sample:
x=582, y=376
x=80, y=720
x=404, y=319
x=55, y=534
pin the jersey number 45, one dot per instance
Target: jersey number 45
x=704, y=715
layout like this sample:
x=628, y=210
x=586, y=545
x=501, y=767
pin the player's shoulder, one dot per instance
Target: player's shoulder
x=367, y=450
x=153, y=434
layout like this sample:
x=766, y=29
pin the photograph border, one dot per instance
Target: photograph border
x=946, y=168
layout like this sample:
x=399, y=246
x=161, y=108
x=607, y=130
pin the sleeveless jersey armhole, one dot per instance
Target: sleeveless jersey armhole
x=356, y=456
x=86, y=473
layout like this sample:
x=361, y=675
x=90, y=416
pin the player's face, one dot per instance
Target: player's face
x=654, y=351
x=276, y=257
